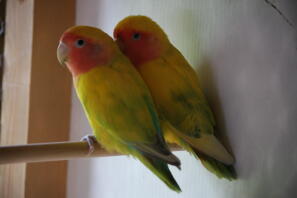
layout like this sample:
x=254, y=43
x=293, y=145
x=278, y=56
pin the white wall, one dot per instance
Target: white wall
x=250, y=80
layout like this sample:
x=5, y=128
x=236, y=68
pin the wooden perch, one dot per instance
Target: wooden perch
x=53, y=151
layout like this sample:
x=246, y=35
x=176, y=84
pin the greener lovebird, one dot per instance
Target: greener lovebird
x=186, y=115
x=116, y=101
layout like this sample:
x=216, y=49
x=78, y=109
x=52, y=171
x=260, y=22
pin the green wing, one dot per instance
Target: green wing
x=194, y=112
x=117, y=99
x=120, y=103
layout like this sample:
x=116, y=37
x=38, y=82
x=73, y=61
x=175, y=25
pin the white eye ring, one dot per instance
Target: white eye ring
x=79, y=43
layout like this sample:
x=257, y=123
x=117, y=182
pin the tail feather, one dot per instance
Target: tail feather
x=167, y=157
x=210, y=146
x=207, y=144
x=160, y=169
x=218, y=168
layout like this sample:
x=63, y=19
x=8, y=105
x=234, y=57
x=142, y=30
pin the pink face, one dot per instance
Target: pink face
x=139, y=46
x=81, y=54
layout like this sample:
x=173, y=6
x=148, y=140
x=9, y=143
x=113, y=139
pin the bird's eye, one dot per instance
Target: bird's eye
x=79, y=43
x=136, y=36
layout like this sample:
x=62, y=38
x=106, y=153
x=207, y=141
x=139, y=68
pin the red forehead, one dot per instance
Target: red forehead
x=139, y=50
x=128, y=33
x=68, y=37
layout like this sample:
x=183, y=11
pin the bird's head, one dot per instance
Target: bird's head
x=82, y=48
x=140, y=38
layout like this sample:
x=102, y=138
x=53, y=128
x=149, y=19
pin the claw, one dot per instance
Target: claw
x=91, y=140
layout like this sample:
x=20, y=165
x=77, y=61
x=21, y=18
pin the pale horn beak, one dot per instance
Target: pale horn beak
x=62, y=53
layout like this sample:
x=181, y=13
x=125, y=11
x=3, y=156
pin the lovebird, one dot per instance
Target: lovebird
x=187, y=119
x=115, y=99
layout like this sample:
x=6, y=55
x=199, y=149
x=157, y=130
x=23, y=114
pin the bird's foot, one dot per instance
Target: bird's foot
x=91, y=140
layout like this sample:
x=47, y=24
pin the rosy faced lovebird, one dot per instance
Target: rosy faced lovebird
x=186, y=116
x=116, y=100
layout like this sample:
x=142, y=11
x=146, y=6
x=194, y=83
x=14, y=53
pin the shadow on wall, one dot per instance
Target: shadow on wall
x=250, y=83
x=209, y=86
x=194, y=52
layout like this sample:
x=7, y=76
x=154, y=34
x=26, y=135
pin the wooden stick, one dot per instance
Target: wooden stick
x=53, y=151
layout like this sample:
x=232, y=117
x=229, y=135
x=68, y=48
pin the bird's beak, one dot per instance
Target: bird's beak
x=62, y=53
